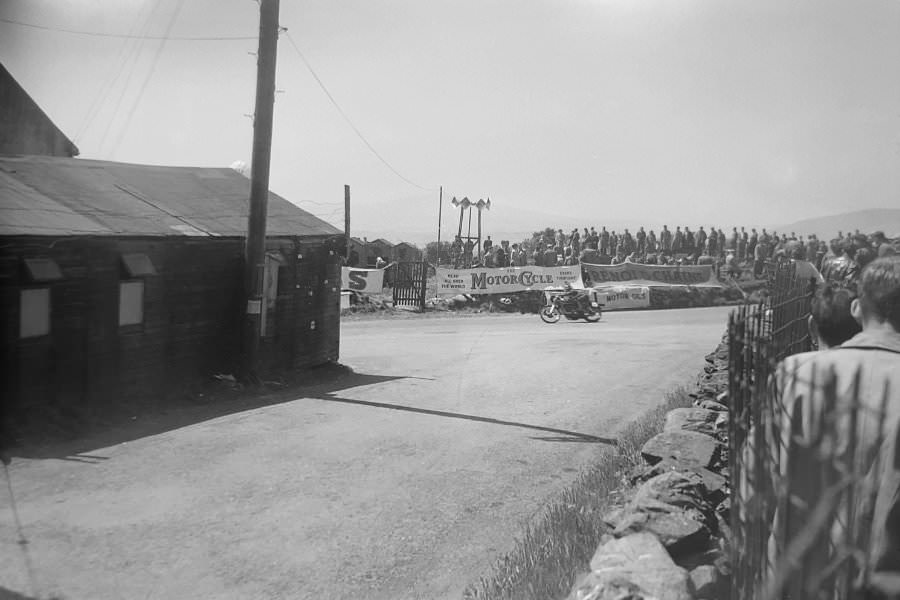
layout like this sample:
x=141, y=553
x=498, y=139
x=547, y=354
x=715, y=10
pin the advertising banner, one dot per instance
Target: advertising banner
x=506, y=280
x=624, y=296
x=368, y=281
x=602, y=276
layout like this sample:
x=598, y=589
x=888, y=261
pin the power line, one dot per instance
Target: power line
x=133, y=53
x=347, y=119
x=216, y=38
x=143, y=87
x=126, y=52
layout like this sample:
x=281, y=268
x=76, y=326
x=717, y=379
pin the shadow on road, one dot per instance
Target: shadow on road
x=319, y=384
x=327, y=386
x=566, y=436
x=7, y=594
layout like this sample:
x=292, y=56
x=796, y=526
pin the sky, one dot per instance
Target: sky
x=562, y=112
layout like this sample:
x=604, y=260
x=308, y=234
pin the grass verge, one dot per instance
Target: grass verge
x=552, y=552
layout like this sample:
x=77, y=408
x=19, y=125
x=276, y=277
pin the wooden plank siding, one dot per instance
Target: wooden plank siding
x=191, y=319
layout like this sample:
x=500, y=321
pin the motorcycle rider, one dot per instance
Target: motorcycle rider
x=570, y=294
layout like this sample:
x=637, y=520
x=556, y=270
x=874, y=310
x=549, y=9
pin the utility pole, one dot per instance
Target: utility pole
x=440, y=206
x=347, y=220
x=259, y=184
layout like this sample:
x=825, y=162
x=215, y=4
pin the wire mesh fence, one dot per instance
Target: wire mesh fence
x=801, y=490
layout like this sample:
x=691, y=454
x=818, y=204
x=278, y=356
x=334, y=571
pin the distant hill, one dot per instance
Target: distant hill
x=867, y=221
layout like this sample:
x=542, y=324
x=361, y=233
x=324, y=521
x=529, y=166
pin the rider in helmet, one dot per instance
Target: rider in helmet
x=570, y=294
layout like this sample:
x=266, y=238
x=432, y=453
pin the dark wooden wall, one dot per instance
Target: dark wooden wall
x=191, y=326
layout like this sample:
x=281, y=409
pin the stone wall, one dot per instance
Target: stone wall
x=670, y=539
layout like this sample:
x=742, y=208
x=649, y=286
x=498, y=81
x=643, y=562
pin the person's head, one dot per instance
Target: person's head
x=879, y=294
x=848, y=248
x=831, y=320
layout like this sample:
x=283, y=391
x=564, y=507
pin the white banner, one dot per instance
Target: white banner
x=368, y=281
x=505, y=281
x=624, y=296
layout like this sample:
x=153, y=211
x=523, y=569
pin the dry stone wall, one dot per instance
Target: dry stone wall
x=670, y=539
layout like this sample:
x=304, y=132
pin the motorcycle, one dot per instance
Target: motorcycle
x=583, y=305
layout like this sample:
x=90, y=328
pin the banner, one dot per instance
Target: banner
x=505, y=281
x=602, y=276
x=368, y=281
x=624, y=296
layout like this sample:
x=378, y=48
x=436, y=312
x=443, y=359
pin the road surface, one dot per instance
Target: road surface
x=406, y=479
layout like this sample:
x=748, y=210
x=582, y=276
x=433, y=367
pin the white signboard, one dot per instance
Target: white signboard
x=625, y=296
x=505, y=281
x=369, y=281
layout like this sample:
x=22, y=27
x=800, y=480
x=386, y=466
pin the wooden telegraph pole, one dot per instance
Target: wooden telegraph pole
x=347, y=219
x=259, y=184
x=440, y=206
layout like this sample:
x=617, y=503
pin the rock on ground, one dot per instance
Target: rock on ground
x=672, y=506
x=708, y=583
x=688, y=447
x=639, y=559
x=691, y=419
x=716, y=485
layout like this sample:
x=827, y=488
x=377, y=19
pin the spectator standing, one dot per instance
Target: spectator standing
x=733, y=240
x=701, y=240
x=665, y=238
x=604, y=241
x=865, y=367
x=689, y=241
x=751, y=243
x=641, y=236
x=501, y=257
x=742, y=246
x=652, y=246
x=538, y=255
x=628, y=242
x=677, y=240
x=550, y=258
x=712, y=243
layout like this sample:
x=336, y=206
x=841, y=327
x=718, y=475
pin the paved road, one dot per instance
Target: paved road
x=405, y=480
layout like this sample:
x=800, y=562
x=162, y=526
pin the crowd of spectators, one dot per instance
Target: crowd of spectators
x=730, y=253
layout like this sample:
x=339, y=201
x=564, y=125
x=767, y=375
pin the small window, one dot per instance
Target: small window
x=34, y=313
x=131, y=302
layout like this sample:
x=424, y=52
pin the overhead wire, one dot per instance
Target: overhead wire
x=166, y=37
x=143, y=88
x=210, y=38
x=347, y=118
x=106, y=87
x=133, y=54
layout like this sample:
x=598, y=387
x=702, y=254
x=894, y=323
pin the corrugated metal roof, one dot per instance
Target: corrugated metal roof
x=44, y=195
